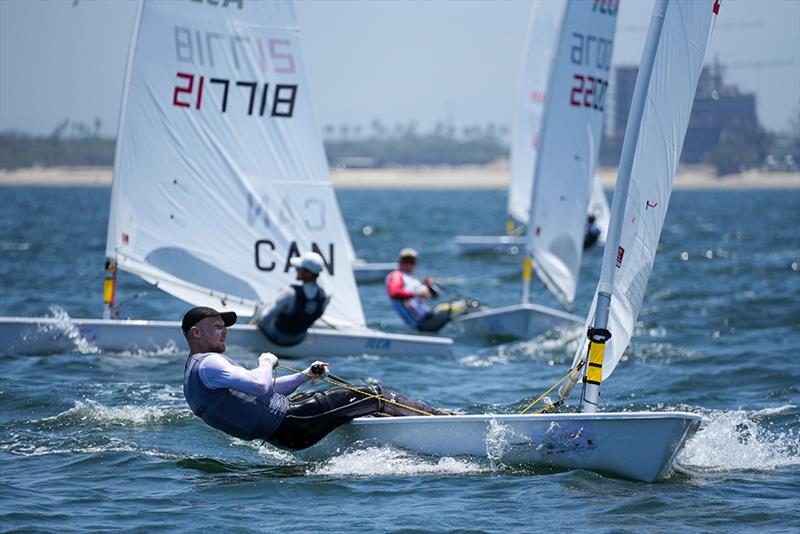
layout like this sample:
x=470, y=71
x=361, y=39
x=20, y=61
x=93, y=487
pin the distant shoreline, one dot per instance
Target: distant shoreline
x=467, y=177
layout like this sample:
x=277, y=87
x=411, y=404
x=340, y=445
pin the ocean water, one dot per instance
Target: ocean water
x=96, y=441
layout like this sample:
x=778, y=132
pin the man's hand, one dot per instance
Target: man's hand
x=267, y=358
x=424, y=292
x=317, y=370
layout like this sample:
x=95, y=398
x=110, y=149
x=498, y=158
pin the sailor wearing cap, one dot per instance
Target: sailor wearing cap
x=410, y=297
x=296, y=307
x=249, y=404
x=228, y=397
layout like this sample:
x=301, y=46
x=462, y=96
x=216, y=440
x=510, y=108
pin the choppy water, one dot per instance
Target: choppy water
x=93, y=441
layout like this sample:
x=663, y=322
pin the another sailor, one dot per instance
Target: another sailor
x=592, y=232
x=249, y=404
x=296, y=307
x=411, y=297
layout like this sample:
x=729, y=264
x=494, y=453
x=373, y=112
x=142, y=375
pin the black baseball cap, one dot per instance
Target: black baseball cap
x=195, y=315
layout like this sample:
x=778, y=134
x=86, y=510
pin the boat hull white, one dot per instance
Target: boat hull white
x=522, y=321
x=635, y=445
x=366, y=273
x=477, y=244
x=47, y=335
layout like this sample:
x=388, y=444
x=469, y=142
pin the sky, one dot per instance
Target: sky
x=398, y=61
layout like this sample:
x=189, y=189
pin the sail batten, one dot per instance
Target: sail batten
x=220, y=177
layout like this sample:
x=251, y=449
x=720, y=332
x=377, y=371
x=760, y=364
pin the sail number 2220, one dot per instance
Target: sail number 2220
x=589, y=92
x=590, y=53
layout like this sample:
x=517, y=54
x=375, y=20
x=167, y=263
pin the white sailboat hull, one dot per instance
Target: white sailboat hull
x=635, y=445
x=372, y=272
x=475, y=244
x=47, y=335
x=523, y=321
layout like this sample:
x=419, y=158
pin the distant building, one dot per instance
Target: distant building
x=717, y=106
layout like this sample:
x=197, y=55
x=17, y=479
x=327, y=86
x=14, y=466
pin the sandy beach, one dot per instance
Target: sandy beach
x=493, y=176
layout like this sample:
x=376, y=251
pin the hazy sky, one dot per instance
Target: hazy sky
x=396, y=61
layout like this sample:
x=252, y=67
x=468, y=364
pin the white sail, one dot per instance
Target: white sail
x=537, y=60
x=676, y=70
x=598, y=207
x=569, y=144
x=220, y=175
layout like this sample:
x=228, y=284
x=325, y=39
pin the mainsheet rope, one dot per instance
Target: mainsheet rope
x=340, y=382
x=554, y=386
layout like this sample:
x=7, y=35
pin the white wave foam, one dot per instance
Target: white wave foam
x=64, y=326
x=562, y=342
x=170, y=349
x=499, y=440
x=126, y=415
x=13, y=246
x=22, y=445
x=477, y=360
x=266, y=450
x=737, y=440
x=382, y=461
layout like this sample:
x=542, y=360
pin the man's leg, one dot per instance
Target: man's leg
x=400, y=405
x=310, y=419
x=435, y=319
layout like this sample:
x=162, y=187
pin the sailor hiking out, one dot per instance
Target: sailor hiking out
x=411, y=297
x=296, y=307
x=249, y=404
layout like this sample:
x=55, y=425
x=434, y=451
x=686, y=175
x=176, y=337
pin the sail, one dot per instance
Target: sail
x=537, y=60
x=569, y=144
x=676, y=70
x=598, y=207
x=220, y=176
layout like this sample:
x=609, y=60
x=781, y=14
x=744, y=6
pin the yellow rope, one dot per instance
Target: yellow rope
x=554, y=386
x=341, y=384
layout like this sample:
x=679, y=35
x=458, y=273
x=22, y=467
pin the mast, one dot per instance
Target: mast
x=110, y=308
x=599, y=334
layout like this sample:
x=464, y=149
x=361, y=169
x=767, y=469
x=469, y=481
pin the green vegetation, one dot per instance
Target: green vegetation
x=76, y=144
x=403, y=146
x=81, y=146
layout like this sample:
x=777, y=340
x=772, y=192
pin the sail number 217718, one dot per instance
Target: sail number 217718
x=245, y=96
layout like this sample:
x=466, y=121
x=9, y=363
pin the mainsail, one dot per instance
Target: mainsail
x=627, y=263
x=568, y=144
x=537, y=60
x=220, y=177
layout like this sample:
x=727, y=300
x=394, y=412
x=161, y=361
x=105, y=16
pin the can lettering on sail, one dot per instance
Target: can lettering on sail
x=265, y=250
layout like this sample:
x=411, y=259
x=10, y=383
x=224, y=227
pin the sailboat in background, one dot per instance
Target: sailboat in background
x=566, y=94
x=539, y=62
x=636, y=445
x=220, y=179
x=369, y=272
x=598, y=208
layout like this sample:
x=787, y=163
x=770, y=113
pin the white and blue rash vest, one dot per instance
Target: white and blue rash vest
x=238, y=414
